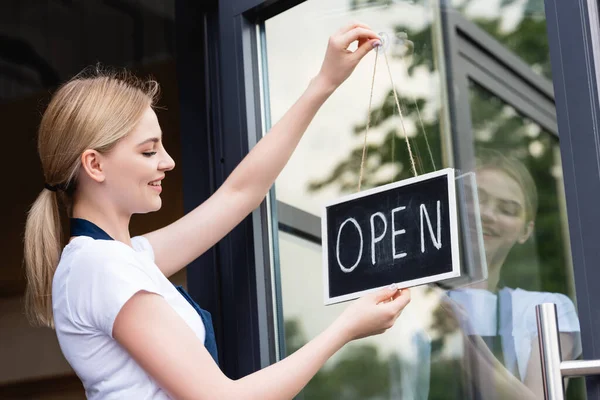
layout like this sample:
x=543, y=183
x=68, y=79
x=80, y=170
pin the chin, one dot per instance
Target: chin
x=153, y=207
x=157, y=205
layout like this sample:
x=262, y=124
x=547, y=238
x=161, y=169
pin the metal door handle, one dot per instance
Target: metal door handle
x=553, y=368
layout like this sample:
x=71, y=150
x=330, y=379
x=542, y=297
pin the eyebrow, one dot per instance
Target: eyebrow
x=503, y=200
x=154, y=140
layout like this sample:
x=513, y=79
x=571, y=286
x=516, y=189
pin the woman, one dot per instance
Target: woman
x=126, y=331
x=500, y=322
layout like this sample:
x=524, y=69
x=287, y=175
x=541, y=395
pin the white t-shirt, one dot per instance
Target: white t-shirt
x=93, y=280
x=481, y=308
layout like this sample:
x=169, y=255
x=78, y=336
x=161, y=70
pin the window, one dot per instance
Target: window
x=507, y=123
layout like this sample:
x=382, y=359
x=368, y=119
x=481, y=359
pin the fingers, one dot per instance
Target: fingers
x=403, y=298
x=356, y=34
x=351, y=26
x=386, y=293
x=365, y=47
x=398, y=302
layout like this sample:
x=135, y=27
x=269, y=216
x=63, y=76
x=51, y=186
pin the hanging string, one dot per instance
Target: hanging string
x=364, y=152
x=393, y=156
x=422, y=126
x=410, y=154
x=399, y=108
x=410, y=47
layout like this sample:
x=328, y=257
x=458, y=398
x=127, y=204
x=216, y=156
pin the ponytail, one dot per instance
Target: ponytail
x=43, y=242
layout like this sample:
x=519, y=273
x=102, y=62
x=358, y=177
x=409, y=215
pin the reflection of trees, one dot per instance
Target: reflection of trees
x=528, y=39
x=537, y=265
x=360, y=373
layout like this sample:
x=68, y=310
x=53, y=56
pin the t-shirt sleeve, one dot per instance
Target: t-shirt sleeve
x=100, y=288
x=140, y=243
x=566, y=314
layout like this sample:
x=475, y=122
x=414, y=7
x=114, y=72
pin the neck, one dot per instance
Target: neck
x=112, y=222
x=494, y=267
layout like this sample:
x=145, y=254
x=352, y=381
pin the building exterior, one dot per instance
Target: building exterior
x=514, y=77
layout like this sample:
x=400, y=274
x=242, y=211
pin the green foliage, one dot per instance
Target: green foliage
x=528, y=41
x=540, y=264
x=360, y=374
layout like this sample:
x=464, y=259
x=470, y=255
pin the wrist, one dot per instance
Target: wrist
x=322, y=85
x=341, y=330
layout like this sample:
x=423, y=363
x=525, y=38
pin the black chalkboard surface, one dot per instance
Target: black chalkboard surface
x=404, y=233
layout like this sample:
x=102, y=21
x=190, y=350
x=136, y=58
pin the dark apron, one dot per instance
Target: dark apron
x=83, y=227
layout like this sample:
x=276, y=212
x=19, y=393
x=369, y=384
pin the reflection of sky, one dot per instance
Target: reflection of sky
x=511, y=14
x=295, y=49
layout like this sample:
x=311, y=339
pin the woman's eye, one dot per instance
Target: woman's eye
x=511, y=210
x=149, y=153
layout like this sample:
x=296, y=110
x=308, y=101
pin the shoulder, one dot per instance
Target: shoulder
x=105, y=250
x=88, y=254
x=142, y=245
x=531, y=298
x=525, y=301
x=96, y=277
x=86, y=261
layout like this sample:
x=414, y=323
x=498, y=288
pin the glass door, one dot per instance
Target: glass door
x=473, y=79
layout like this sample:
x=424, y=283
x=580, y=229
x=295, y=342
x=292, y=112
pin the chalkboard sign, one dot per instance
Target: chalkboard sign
x=404, y=233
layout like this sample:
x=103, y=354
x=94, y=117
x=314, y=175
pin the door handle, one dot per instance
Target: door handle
x=553, y=368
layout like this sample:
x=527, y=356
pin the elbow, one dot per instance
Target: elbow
x=220, y=389
x=232, y=390
x=249, y=197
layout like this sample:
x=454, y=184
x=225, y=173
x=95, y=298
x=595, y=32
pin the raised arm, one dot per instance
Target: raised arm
x=179, y=243
x=172, y=354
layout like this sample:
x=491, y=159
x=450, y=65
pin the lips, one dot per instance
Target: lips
x=489, y=232
x=157, y=182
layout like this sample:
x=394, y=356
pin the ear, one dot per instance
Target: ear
x=91, y=164
x=527, y=231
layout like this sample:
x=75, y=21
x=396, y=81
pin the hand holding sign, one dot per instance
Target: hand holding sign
x=373, y=313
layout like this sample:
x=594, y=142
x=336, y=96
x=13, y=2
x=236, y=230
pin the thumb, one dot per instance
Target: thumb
x=367, y=46
x=386, y=293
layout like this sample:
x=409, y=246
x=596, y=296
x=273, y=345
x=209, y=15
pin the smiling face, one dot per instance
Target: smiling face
x=504, y=218
x=135, y=167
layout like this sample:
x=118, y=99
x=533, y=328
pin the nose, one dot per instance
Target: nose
x=166, y=163
x=487, y=212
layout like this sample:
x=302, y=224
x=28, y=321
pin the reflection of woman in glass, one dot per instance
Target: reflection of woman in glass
x=124, y=328
x=499, y=321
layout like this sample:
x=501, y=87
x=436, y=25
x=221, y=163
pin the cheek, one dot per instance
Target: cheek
x=511, y=227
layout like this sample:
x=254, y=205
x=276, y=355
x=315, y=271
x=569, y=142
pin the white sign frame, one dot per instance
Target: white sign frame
x=454, y=239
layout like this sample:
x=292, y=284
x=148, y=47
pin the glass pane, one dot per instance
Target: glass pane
x=327, y=162
x=475, y=342
x=379, y=367
x=520, y=25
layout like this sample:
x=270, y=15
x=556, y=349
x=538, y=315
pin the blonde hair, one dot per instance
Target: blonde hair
x=94, y=110
x=515, y=169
